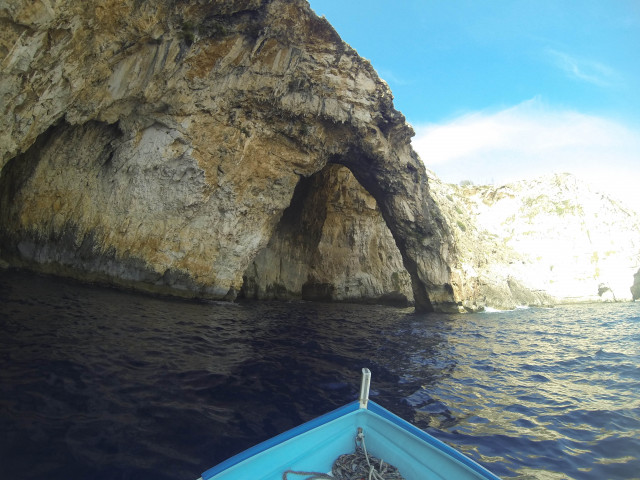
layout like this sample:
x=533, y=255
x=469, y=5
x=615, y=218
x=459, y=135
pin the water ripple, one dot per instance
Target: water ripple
x=103, y=384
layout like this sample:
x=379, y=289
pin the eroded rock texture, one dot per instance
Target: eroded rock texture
x=330, y=244
x=172, y=145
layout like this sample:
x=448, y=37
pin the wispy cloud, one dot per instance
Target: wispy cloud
x=391, y=78
x=583, y=69
x=529, y=140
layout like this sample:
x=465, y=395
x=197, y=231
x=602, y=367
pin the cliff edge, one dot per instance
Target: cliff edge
x=169, y=146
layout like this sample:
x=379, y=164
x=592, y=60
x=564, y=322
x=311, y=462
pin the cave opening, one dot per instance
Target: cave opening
x=331, y=244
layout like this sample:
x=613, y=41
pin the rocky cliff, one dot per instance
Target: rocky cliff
x=240, y=147
x=193, y=147
x=543, y=241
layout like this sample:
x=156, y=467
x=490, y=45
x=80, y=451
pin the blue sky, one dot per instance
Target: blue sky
x=503, y=90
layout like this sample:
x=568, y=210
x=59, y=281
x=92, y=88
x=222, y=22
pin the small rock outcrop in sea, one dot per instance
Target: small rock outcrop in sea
x=171, y=146
x=635, y=288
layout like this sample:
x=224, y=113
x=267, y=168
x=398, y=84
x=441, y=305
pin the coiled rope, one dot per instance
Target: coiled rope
x=355, y=466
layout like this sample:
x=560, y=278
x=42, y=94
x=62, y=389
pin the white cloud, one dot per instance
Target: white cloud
x=529, y=140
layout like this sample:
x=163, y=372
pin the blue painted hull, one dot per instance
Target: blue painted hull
x=315, y=445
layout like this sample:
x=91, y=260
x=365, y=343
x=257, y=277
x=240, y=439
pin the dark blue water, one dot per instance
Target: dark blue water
x=97, y=383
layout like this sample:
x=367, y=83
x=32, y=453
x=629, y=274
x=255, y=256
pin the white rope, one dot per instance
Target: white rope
x=373, y=475
x=354, y=466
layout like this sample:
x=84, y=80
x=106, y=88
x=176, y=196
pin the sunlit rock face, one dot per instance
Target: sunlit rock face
x=543, y=241
x=163, y=145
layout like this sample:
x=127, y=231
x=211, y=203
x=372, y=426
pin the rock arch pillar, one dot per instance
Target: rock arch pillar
x=388, y=168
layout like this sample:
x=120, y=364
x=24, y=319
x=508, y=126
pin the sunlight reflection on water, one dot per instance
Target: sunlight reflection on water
x=100, y=383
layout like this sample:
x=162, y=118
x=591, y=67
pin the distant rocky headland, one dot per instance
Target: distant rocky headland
x=219, y=149
x=542, y=241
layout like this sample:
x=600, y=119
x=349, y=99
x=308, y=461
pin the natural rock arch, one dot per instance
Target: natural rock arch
x=201, y=119
x=398, y=182
x=330, y=244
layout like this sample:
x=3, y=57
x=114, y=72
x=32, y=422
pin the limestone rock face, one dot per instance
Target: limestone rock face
x=330, y=244
x=211, y=148
x=161, y=144
x=549, y=240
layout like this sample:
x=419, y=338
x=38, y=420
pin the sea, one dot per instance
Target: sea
x=101, y=383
